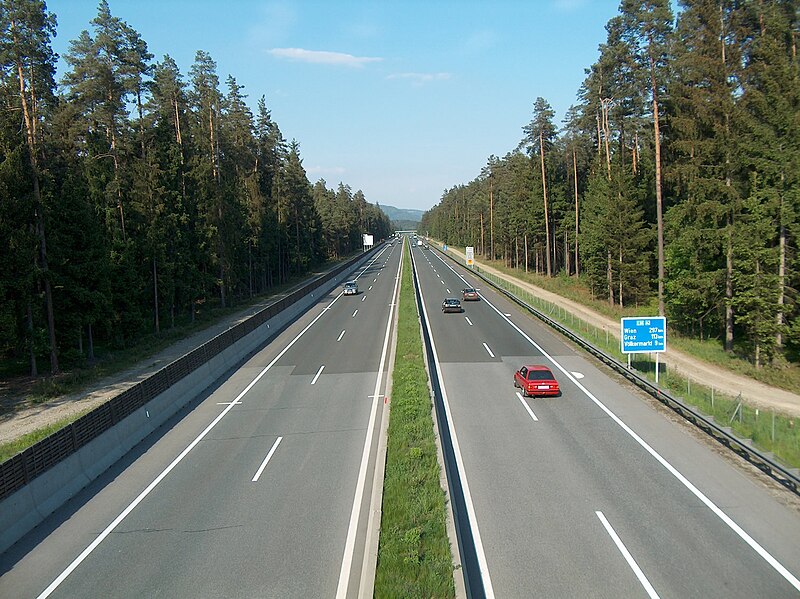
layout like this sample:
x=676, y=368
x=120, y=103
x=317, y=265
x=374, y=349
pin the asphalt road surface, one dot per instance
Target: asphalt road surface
x=260, y=489
x=594, y=493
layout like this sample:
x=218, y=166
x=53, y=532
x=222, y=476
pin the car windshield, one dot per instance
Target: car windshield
x=469, y=290
x=451, y=302
x=540, y=375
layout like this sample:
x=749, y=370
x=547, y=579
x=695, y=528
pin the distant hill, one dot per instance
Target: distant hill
x=405, y=225
x=402, y=216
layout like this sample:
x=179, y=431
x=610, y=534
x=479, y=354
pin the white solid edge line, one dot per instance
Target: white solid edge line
x=355, y=512
x=527, y=407
x=316, y=376
x=462, y=473
x=110, y=528
x=266, y=460
x=651, y=592
x=780, y=568
x=488, y=350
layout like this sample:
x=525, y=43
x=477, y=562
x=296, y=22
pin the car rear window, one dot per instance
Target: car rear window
x=540, y=375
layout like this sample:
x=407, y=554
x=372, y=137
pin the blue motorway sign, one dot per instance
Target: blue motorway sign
x=643, y=334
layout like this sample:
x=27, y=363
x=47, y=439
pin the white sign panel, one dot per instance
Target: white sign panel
x=470, y=252
x=368, y=241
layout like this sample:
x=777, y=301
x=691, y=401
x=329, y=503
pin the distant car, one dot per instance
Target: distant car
x=351, y=288
x=536, y=380
x=451, y=304
x=470, y=294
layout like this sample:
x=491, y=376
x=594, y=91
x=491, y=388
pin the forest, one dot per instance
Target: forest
x=134, y=196
x=673, y=181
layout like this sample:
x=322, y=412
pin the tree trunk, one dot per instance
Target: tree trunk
x=609, y=279
x=729, y=288
x=659, y=202
x=526, y=252
x=575, y=177
x=491, y=218
x=31, y=344
x=546, y=212
x=781, y=276
x=483, y=245
x=620, y=277
x=90, y=336
x=155, y=297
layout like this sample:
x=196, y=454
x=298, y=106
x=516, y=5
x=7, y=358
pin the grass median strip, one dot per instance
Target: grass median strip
x=414, y=557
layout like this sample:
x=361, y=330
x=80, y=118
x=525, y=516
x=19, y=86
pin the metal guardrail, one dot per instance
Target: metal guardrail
x=739, y=446
x=19, y=470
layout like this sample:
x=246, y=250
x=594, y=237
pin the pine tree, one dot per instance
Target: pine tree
x=648, y=25
x=25, y=32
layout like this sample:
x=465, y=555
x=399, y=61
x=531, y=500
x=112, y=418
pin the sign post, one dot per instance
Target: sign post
x=470, y=254
x=643, y=335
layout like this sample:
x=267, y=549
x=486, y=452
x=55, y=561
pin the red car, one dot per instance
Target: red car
x=470, y=294
x=536, y=380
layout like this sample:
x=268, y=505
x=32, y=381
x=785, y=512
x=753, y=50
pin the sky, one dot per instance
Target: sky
x=400, y=99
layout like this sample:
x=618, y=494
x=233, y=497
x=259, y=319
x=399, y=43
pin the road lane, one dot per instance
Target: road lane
x=537, y=486
x=207, y=529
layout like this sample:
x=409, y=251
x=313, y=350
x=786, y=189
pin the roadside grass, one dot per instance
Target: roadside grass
x=414, y=556
x=12, y=448
x=769, y=430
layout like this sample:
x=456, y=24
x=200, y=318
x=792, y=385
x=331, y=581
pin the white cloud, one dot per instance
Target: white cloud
x=322, y=57
x=421, y=78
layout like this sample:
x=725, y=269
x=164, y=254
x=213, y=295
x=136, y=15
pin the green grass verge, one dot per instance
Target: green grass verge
x=769, y=430
x=12, y=448
x=414, y=558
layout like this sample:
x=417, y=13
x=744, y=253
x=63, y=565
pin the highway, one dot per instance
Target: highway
x=595, y=493
x=262, y=488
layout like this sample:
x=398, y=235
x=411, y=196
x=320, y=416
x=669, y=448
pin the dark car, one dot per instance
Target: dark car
x=451, y=304
x=536, y=380
x=470, y=294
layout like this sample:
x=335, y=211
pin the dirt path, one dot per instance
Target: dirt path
x=724, y=381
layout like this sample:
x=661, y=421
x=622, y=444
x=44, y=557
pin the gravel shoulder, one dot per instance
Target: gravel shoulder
x=724, y=381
